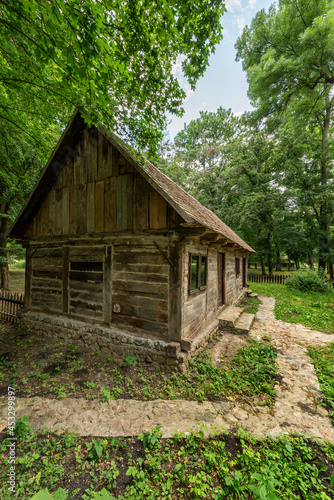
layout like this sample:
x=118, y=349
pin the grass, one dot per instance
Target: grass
x=323, y=360
x=19, y=264
x=284, y=272
x=186, y=466
x=312, y=309
x=250, y=305
x=57, y=370
x=17, y=278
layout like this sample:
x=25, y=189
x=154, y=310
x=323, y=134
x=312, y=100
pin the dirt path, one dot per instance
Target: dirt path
x=295, y=409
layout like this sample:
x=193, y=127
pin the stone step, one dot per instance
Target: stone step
x=229, y=316
x=249, y=291
x=244, y=323
x=253, y=295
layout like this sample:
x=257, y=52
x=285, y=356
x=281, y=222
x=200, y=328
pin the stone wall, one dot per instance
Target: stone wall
x=107, y=339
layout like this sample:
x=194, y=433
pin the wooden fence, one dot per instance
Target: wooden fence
x=273, y=278
x=10, y=303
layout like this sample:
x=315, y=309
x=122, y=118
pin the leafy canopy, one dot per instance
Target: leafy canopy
x=113, y=58
x=288, y=54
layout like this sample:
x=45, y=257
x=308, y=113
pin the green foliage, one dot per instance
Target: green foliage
x=96, y=449
x=312, y=309
x=220, y=466
x=130, y=360
x=311, y=281
x=151, y=440
x=22, y=426
x=323, y=360
x=60, y=494
x=100, y=495
x=113, y=59
x=250, y=305
x=287, y=53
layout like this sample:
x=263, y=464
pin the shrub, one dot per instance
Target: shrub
x=311, y=281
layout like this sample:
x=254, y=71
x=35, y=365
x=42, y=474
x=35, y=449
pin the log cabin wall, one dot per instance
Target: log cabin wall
x=124, y=283
x=104, y=257
x=234, y=284
x=201, y=307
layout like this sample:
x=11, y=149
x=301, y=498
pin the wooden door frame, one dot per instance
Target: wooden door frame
x=244, y=272
x=221, y=274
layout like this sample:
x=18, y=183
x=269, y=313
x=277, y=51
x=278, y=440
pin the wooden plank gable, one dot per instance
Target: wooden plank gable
x=99, y=191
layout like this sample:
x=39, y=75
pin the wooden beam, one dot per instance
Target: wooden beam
x=66, y=264
x=107, y=284
x=219, y=243
x=175, y=293
x=27, y=292
x=174, y=236
x=210, y=237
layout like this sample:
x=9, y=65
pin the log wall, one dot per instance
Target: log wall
x=124, y=282
x=46, y=278
x=201, y=308
x=140, y=287
x=99, y=191
x=233, y=283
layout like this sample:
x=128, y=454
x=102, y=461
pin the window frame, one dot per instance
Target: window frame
x=199, y=287
x=237, y=267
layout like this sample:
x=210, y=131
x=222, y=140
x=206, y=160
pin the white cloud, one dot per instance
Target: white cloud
x=188, y=90
x=203, y=106
x=177, y=66
x=252, y=3
x=241, y=22
x=231, y=5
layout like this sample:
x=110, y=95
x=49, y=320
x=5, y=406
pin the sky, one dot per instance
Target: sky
x=224, y=83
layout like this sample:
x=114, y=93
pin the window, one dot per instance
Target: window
x=194, y=272
x=237, y=266
x=197, y=272
x=203, y=271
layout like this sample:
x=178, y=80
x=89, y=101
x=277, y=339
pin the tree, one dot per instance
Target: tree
x=113, y=59
x=110, y=57
x=201, y=149
x=288, y=55
x=20, y=166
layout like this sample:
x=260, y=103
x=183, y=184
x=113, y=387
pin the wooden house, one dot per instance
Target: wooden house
x=119, y=257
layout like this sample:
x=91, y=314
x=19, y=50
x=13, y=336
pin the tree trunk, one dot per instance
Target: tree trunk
x=331, y=271
x=269, y=258
x=4, y=230
x=296, y=264
x=289, y=261
x=310, y=260
x=263, y=267
x=278, y=260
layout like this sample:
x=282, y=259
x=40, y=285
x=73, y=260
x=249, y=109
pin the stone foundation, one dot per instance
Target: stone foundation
x=109, y=340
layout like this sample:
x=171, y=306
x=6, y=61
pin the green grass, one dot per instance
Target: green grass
x=250, y=305
x=312, y=309
x=19, y=264
x=323, y=360
x=223, y=466
x=250, y=374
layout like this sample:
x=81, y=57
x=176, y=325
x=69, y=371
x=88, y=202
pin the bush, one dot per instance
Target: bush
x=311, y=281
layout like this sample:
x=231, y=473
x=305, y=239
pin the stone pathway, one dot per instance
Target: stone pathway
x=295, y=410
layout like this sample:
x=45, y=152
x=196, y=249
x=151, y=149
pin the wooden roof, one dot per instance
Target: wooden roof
x=188, y=207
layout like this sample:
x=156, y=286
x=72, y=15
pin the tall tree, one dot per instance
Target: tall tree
x=20, y=166
x=111, y=57
x=288, y=53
